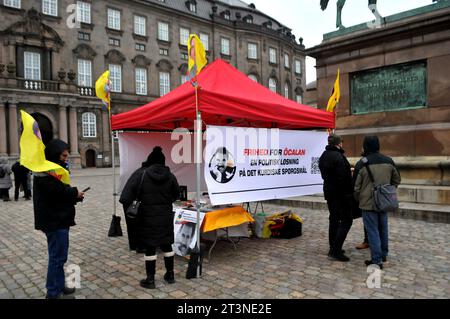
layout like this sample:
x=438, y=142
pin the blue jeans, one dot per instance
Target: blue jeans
x=58, y=249
x=376, y=225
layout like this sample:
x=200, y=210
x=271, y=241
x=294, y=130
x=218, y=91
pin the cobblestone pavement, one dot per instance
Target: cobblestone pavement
x=418, y=267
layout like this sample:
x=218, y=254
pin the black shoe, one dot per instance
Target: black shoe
x=27, y=198
x=6, y=199
x=169, y=277
x=339, y=257
x=148, y=283
x=68, y=291
x=384, y=259
x=342, y=252
x=369, y=262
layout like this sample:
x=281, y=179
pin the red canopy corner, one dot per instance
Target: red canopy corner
x=226, y=97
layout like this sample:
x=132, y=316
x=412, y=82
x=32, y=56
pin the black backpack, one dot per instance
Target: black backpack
x=2, y=172
x=292, y=228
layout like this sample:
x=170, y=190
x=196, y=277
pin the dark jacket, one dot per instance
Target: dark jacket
x=54, y=202
x=20, y=171
x=336, y=173
x=154, y=224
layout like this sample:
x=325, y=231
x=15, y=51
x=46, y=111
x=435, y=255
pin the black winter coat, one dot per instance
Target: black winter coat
x=154, y=223
x=54, y=203
x=336, y=173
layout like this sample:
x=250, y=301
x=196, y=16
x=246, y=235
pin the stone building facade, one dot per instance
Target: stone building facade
x=395, y=83
x=52, y=51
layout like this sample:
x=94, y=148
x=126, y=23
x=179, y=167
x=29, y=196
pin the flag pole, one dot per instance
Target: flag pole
x=198, y=167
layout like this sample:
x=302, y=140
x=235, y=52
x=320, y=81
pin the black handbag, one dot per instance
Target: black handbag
x=133, y=209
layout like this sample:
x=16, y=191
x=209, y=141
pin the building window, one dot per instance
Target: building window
x=252, y=51
x=253, y=78
x=12, y=3
x=248, y=19
x=84, y=73
x=164, y=52
x=163, y=31
x=184, y=56
x=273, y=55
x=286, y=90
x=32, y=67
x=184, y=36
x=114, y=19
x=299, y=98
x=115, y=75
x=140, y=25
x=84, y=12
x=225, y=46
x=114, y=42
x=164, y=83
x=141, y=81
x=286, y=60
x=204, y=38
x=50, y=7
x=298, y=66
x=140, y=47
x=192, y=7
x=84, y=36
x=273, y=85
x=227, y=15
x=184, y=79
x=89, y=124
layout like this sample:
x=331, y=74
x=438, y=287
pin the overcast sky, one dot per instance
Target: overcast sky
x=308, y=21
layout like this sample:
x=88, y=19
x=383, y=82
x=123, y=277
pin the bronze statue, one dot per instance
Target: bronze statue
x=340, y=5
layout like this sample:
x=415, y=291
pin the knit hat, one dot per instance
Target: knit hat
x=371, y=145
x=156, y=157
x=334, y=140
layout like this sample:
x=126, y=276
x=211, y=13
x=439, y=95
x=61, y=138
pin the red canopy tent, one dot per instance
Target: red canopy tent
x=226, y=97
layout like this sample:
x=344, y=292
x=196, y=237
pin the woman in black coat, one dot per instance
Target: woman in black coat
x=154, y=223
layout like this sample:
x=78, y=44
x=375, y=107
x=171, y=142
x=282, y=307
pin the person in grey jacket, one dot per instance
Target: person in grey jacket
x=384, y=171
x=5, y=179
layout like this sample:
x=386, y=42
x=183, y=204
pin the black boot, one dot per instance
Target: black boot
x=149, y=282
x=169, y=277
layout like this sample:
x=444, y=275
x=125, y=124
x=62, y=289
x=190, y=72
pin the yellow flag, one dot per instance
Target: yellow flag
x=335, y=96
x=32, y=154
x=103, y=89
x=197, y=55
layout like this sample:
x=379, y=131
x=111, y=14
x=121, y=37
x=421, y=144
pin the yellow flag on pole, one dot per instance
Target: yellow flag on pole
x=197, y=56
x=335, y=96
x=103, y=89
x=32, y=151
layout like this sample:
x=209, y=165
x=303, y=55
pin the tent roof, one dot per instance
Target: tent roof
x=226, y=97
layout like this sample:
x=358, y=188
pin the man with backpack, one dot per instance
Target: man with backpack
x=374, y=170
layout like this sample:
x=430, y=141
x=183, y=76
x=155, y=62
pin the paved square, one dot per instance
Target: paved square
x=418, y=267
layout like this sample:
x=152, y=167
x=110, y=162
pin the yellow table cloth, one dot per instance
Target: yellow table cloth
x=227, y=217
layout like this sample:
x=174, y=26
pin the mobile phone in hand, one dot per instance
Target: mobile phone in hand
x=86, y=189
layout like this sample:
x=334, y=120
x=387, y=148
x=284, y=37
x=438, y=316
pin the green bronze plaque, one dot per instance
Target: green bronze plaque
x=389, y=88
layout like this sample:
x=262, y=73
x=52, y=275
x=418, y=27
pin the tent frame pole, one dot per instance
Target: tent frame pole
x=198, y=157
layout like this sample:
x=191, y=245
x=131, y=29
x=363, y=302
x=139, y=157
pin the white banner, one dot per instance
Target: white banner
x=250, y=164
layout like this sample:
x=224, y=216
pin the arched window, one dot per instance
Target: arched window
x=286, y=90
x=273, y=85
x=89, y=123
x=253, y=77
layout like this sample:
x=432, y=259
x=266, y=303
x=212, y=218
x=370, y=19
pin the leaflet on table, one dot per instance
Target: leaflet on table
x=185, y=230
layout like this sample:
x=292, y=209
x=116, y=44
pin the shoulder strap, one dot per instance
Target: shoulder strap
x=366, y=164
x=140, y=185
